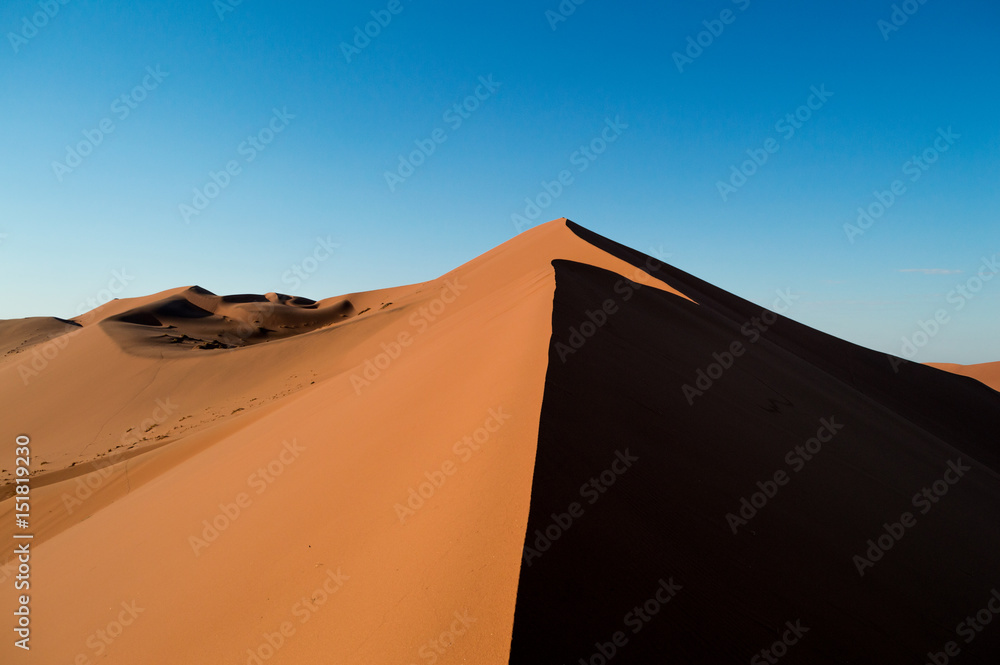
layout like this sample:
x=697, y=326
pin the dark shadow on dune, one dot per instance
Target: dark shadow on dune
x=304, y=303
x=881, y=377
x=141, y=318
x=668, y=472
x=180, y=308
x=244, y=298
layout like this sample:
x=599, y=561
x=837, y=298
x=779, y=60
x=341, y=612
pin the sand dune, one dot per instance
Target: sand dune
x=19, y=335
x=824, y=441
x=988, y=373
x=250, y=479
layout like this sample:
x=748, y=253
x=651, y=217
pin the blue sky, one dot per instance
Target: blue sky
x=309, y=128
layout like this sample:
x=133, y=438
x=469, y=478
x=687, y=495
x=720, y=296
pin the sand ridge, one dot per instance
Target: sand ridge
x=354, y=479
x=147, y=478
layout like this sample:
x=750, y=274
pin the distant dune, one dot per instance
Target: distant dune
x=988, y=373
x=562, y=451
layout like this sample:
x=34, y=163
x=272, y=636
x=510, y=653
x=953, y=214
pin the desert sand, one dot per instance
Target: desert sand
x=362, y=479
x=988, y=373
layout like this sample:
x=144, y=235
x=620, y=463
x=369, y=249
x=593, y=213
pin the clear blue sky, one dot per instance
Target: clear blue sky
x=211, y=74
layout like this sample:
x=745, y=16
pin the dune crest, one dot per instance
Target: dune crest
x=492, y=466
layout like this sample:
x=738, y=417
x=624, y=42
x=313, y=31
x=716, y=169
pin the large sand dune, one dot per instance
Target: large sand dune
x=494, y=466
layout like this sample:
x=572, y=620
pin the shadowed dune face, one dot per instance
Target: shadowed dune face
x=629, y=550
x=218, y=459
x=880, y=377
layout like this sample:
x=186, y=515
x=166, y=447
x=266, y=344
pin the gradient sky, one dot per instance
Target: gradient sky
x=223, y=68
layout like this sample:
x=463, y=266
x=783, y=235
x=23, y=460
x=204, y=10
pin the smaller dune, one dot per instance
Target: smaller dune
x=988, y=373
x=195, y=318
x=19, y=335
